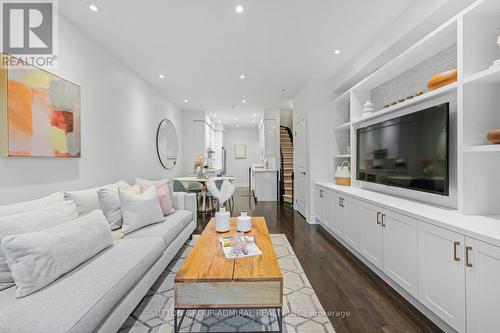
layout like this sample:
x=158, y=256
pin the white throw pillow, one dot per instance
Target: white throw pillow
x=111, y=206
x=157, y=183
x=37, y=259
x=27, y=206
x=140, y=210
x=34, y=220
x=87, y=200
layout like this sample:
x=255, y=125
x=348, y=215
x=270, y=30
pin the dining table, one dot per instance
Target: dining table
x=204, y=203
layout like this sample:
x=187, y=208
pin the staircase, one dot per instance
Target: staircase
x=286, y=144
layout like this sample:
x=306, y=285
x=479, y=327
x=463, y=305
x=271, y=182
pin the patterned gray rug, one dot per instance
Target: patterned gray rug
x=302, y=311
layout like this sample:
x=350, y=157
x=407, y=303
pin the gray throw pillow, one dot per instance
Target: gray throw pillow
x=111, y=206
x=140, y=210
x=37, y=259
x=35, y=220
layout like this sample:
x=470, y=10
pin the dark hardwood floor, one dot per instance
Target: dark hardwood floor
x=341, y=281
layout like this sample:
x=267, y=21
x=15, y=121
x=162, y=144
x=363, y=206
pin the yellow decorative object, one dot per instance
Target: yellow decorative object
x=442, y=79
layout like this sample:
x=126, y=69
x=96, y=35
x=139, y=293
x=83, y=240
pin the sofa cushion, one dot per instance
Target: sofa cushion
x=31, y=221
x=87, y=200
x=139, y=210
x=36, y=259
x=26, y=206
x=80, y=300
x=168, y=230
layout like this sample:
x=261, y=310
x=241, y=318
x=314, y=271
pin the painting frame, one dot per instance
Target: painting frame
x=58, y=104
x=240, y=151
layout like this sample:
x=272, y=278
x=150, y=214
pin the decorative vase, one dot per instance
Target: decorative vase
x=496, y=62
x=368, y=108
x=222, y=220
x=244, y=222
x=494, y=137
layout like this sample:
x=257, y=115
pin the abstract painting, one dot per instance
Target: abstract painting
x=40, y=112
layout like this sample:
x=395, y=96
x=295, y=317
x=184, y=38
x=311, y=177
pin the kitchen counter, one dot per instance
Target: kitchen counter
x=265, y=184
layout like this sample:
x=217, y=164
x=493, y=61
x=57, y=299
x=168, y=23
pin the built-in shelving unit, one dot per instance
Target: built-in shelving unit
x=488, y=76
x=416, y=100
x=482, y=149
x=343, y=127
x=474, y=101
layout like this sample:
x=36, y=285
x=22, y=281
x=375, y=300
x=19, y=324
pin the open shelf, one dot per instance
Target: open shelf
x=437, y=41
x=482, y=149
x=429, y=95
x=345, y=126
x=343, y=156
x=490, y=76
x=344, y=98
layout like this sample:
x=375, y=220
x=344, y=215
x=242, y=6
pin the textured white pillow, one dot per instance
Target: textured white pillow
x=37, y=259
x=87, y=200
x=26, y=206
x=111, y=206
x=157, y=183
x=140, y=210
x=34, y=220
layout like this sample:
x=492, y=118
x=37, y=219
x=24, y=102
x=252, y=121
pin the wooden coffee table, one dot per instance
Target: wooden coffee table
x=207, y=280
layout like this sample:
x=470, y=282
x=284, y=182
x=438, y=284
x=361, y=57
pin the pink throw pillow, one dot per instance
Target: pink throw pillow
x=163, y=193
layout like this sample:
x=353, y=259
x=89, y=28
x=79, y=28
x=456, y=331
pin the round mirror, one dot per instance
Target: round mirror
x=167, y=144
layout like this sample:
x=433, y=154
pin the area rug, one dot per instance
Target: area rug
x=302, y=311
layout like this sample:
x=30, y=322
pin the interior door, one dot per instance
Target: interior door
x=483, y=289
x=441, y=279
x=371, y=233
x=299, y=161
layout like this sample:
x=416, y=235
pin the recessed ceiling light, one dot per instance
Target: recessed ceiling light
x=93, y=8
x=219, y=121
x=253, y=121
x=242, y=76
x=243, y=101
x=255, y=115
x=237, y=125
x=214, y=115
x=239, y=9
x=161, y=76
x=336, y=51
x=235, y=119
x=186, y=100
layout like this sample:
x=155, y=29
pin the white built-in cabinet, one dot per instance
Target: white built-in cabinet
x=482, y=274
x=204, y=137
x=454, y=276
x=442, y=274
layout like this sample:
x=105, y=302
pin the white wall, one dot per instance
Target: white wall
x=314, y=100
x=286, y=118
x=236, y=167
x=120, y=114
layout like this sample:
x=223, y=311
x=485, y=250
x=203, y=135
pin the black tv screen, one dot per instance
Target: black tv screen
x=409, y=151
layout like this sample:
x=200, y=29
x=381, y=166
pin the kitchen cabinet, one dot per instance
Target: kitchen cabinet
x=482, y=271
x=322, y=208
x=441, y=278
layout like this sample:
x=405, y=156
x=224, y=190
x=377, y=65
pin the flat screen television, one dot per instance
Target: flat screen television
x=410, y=151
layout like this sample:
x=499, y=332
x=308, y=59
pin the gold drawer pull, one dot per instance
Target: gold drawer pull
x=455, y=245
x=467, y=250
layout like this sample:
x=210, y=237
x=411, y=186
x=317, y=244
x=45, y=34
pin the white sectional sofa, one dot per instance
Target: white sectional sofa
x=101, y=293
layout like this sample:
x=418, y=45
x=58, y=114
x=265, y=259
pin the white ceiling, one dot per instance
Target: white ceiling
x=202, y=46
